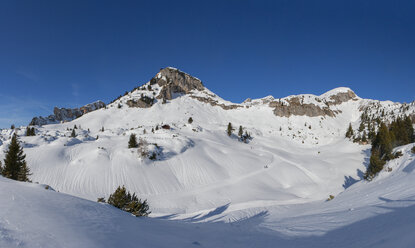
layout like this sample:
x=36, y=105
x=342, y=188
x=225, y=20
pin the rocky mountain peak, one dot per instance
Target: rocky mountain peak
x=339, y=95
x=174, y=81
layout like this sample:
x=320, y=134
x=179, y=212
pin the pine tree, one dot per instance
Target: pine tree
x=15, y=166
x=123, y=200
x=229, y=129
x=364, y=139
x=240, y=132
x=361, y=127
x=410, y=129
x=190, y=120
x=132, y=143
x=376, y=165
x=30, y=131
x=73, y=134
x=24, y=173
x=119, y=198
x=382, y=142
x=349, y=132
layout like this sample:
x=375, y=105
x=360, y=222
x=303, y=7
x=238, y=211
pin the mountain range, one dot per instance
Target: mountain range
x=264, y=167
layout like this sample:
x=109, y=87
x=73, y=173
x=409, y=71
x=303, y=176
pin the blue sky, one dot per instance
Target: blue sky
x=69, y=53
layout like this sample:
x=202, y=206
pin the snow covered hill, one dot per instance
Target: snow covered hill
x=375, y=214
x=275, y=185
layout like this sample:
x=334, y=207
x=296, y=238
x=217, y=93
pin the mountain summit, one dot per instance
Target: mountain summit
x=174, y=81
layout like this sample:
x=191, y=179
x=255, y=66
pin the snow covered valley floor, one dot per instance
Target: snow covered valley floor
x=380, y=213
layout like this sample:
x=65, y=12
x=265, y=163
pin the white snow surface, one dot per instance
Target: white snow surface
x=367, y=214
x=207, y=189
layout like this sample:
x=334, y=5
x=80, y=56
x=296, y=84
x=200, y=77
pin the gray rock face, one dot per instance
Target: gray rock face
x=216, y=103
x=139, y=104
x=296, y=107
x=40, y=120
x=341, y=97
x=64, y=114
x=174, y=81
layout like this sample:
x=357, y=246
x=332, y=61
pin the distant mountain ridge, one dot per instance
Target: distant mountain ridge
x=65, y=114
x=170, y=83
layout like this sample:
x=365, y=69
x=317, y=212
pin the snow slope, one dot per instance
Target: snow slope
x=201, y=167
x=375, y=214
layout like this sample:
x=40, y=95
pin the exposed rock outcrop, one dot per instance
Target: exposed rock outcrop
x=216, y=103
x=296, y=106
x=341, y=97
x=174, y=81
x=65, y=114
x=140, y=103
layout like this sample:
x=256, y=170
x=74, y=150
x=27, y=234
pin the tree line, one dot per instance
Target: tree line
x=399, y=132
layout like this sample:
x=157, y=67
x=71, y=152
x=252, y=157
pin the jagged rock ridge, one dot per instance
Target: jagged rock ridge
x=65, y=114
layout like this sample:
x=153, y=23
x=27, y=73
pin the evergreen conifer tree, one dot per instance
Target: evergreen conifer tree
x=361, y=127
x=382, y=142
x=229, y=129
x=24, y=173
x=73, y=134
x=349, y=132
x=123, y=200
x=240, y=132
x=410, y=129
x=364, y=139
x=376, y=165
x=30, y=131
x=190, y=120
x=119, y=198
x=15, y=166
x=132, y=143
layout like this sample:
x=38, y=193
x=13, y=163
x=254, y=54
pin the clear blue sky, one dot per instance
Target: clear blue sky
x=69, y=53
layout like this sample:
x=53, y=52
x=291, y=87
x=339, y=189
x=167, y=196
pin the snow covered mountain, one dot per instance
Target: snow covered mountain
x=274, y=185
